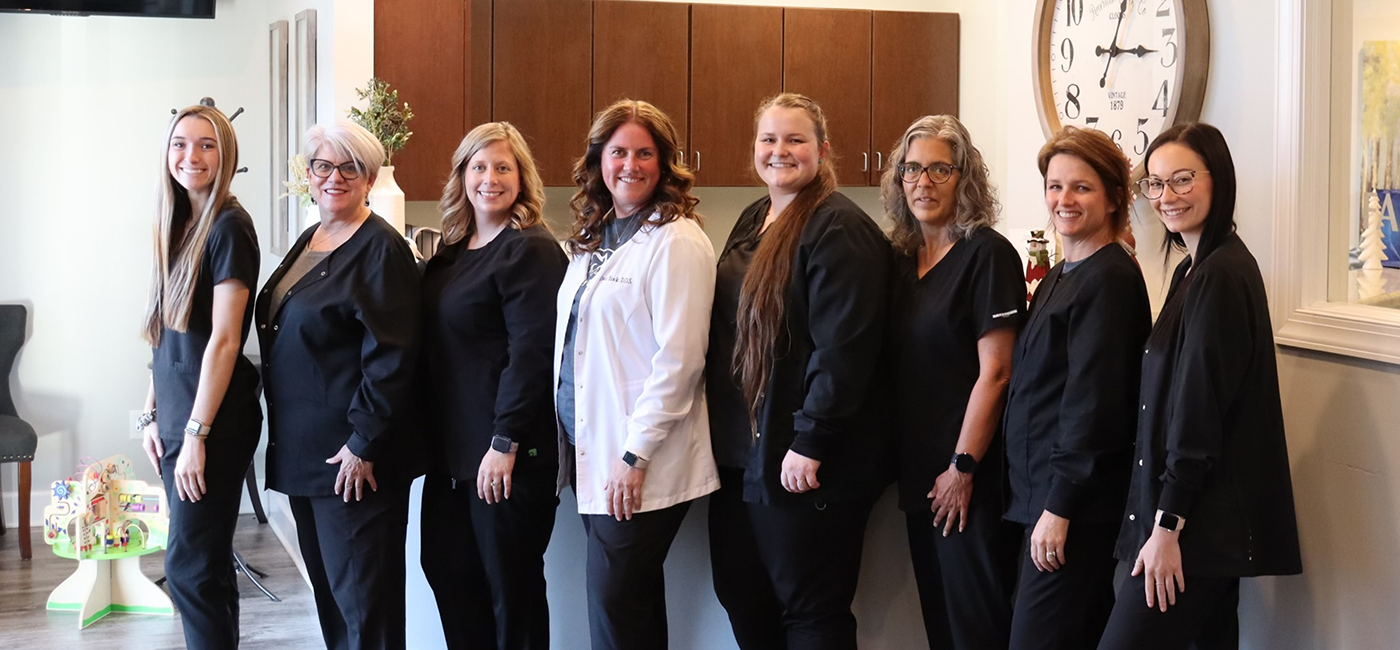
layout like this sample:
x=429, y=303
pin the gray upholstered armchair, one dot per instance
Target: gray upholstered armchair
x=17, y=439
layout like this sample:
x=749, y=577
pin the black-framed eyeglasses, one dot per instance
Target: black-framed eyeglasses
x=1181, y=183
x=939, y=173
x=323, y=169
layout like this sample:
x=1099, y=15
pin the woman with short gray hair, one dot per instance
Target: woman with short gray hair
x=338, y=328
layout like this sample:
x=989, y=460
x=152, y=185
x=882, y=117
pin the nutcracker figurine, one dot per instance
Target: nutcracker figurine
x=1039, y=263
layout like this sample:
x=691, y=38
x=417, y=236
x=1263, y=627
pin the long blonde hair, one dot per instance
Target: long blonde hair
x=179, y=236
x=458, y=216
x=763, y=295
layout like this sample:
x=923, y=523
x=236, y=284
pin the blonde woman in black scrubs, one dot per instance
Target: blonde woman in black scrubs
x=202, y=419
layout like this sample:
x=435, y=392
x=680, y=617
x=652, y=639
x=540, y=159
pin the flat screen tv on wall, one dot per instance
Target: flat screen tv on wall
x=151, y=8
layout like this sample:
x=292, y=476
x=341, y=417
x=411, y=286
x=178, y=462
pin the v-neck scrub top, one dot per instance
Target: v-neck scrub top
x=936, y=321
x=1071, y=409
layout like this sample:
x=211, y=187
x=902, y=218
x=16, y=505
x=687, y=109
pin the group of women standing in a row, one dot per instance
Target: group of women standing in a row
x=791, y=379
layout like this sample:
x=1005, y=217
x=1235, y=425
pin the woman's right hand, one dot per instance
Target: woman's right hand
x=1048, y=542
x=493, y=477
x=155, y=449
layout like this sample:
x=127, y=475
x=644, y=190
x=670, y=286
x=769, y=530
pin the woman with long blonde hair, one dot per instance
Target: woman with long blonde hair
x=795, y=335
x=488, y=319
x=201, y=440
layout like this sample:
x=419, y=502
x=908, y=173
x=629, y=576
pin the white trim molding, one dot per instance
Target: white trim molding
x=1304, y=315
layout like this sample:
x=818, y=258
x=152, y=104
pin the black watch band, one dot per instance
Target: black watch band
x=964, y=463
x=504, y=445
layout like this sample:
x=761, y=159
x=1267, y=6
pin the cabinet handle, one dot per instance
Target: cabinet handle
x=680, y=158
x=879, y=161
x=697, y=160
x=865, y=162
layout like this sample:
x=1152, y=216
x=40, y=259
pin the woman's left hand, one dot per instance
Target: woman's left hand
x=624, y=490
x=493, y=477
x=800, y=473
x=189, y=470
x=353, y=475
x=1048, y=542
x=1159, y=562
x=951, y=494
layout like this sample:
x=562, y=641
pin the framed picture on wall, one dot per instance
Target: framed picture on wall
x=277, y=40
x=305, y=88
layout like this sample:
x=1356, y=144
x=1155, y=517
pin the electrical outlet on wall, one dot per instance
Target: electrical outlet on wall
x=132, y=418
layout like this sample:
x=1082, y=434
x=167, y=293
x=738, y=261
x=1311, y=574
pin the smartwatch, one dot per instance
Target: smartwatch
x=634, y=461
x=196, y=429
x=964, y=463
x=1170, y=521
x=504, y=445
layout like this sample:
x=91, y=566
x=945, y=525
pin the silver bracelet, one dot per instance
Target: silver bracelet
x=145, y=420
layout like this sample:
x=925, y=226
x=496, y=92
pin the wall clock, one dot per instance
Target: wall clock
x=1129, y=68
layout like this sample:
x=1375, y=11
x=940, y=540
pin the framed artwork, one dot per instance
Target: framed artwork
x=277, y=41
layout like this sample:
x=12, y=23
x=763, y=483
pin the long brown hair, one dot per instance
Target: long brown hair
x=592, y=204
x=1098, y=152
x=763, y=295
x=458, y=216
x=179, y=236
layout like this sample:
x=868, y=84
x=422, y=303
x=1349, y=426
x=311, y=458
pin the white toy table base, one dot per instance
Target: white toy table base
x=101, y=587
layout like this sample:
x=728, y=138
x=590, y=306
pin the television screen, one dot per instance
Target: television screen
x=154, y=8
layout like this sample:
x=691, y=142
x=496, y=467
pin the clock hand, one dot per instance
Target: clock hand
x=1140, y=51
x=1113, y=50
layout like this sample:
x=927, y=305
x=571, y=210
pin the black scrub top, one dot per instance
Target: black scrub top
x=1210, y=442
x=340, y=362
x=1071, y=409
x=230, y=253
x=935, y=324
x=730, y=430
x=488, y=333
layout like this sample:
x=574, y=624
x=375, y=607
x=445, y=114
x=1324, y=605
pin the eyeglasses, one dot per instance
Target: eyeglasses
x=1181, y=183
x=939, y=173
x=323, y=169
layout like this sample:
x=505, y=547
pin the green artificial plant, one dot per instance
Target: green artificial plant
x=383, y=117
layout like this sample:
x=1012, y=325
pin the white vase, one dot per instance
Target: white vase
x=313, y=215
x=386, y=199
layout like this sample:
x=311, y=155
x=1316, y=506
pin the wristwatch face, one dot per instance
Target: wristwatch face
x=1168, y=521
x=964, y=463
x=501, y=444
x=629, y=458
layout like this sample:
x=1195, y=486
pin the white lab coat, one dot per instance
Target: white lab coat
x=643, y=328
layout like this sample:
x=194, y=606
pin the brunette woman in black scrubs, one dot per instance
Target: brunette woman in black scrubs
x=794, y=420
x=958, y=300
x=488, y=332
x=1071, y=407
x=1211, y=496
x=202, y=418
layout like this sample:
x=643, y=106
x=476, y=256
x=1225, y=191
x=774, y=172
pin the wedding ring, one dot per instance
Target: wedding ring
x=1049, y=555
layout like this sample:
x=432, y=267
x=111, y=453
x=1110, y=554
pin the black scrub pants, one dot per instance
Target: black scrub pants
x=1205, y=617
x=485, y=562
x=966, y=580
x=1066, y=609
x=786, y=574
x=199, y=550
x=626, y=582
x=354, y=555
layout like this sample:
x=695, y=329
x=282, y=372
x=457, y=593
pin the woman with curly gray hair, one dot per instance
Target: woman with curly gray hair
x=958, y=301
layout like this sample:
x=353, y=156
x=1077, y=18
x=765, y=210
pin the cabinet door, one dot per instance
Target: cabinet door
x=542, y=79
x=736, y=61
x=419, y=47
x=654, y=68
x=914, y=72
x=826, y=56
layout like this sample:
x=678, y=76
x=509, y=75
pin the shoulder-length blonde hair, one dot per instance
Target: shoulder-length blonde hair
x=179, y=236
x=977, y=204
x=592, y=203
x=458, y=216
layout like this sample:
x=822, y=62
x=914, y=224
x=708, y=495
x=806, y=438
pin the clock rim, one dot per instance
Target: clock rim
x=1195, y=54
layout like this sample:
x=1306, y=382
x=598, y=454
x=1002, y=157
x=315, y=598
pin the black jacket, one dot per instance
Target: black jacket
x=1071, y=408
x=488, y=333
x=1210, y=441
x=339, y=361
x=822, y=396
x=231, y=252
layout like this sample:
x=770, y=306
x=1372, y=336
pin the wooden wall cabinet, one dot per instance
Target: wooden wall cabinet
x=547, y=66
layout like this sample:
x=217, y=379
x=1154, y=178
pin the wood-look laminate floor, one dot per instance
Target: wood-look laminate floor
x=25, y=586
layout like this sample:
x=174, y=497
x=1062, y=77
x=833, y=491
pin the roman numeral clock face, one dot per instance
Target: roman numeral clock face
x=1128, y=68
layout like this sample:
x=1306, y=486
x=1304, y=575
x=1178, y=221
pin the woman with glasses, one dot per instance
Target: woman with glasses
x=1210, y=452
x=1072, y=404
x=202, y=439
x=799, y=313
x=958, y=301
x=338, y=328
